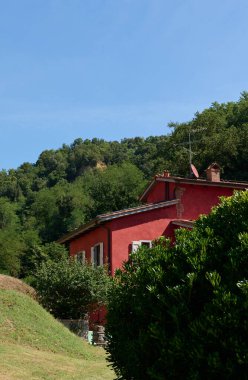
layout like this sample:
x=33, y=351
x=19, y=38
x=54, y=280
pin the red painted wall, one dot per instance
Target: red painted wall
x=197, y=200
x=144, y=226
x=158, y=192
x=88, y=240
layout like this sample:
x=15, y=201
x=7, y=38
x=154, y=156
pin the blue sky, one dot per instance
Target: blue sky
x=113, y=68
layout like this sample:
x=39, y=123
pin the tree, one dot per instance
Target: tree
x=59, y=209
x=11, y=243
x=180, y=311
x=11, y=250
x=69, y=289
x=115, y=188
x=36, y=253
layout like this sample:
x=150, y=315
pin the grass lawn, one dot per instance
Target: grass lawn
x=33, y=345
x=26, y=363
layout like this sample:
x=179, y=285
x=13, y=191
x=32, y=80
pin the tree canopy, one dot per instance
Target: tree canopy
x=69, y=289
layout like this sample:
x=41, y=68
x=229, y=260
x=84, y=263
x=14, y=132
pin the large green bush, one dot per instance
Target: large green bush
x=181, y=312
x=69, y=289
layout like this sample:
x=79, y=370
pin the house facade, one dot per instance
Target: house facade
x=168, y=203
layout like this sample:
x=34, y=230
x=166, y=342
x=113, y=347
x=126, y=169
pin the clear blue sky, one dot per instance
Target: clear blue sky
x=113, y=68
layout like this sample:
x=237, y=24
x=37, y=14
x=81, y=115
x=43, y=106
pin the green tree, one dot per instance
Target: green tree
x=52, y=165
x=222, y=133
x=180, y=311
x=11, y=244
x=36, y=253
x=84, y=155
x=114, y=188
x=11, y=250
x=69, y=289
x=59, y=209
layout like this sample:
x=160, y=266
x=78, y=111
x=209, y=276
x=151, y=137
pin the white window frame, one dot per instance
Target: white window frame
x=80, y=257
x=138, y=243
x=93, y=254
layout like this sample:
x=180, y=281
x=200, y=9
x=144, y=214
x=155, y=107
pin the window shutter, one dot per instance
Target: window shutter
x=92, y=256
x=135, y=245
x=83, y=257
x=101, y=254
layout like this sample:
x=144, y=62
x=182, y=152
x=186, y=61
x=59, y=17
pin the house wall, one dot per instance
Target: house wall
x=144, y=226
x=158, y=192
x=85, y=241
x=123, y=231
x=197, y=200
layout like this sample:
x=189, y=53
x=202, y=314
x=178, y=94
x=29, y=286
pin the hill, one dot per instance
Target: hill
x=67, y=187
x=33, y=345
x=12, y=283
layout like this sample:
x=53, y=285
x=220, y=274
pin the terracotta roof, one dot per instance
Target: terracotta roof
x=100, y=219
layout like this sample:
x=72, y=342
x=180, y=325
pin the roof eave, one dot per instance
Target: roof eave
x=200, y=182
x=85, y=227
x=100, y=219
x=136, y=210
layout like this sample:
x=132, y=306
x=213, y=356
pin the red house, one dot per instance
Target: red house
x=168, y=202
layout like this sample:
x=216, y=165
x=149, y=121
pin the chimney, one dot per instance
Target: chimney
x=213, y=172
x=166, y=173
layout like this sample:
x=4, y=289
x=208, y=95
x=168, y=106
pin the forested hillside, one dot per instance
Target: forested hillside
x=67, y=187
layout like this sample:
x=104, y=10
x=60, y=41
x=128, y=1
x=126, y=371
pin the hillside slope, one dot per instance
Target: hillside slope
x=33, y=345
x=12, y=283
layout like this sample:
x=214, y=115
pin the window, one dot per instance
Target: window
x=141, y=243
x=146, y=243
x=97, y=255
x=80, y=257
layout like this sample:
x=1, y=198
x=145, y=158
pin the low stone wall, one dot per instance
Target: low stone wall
x=79, y=327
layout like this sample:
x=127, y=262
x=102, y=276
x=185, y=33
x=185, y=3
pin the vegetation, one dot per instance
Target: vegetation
x=66, y=187
x=180, y=311
x=69, y=289
x=35, y=346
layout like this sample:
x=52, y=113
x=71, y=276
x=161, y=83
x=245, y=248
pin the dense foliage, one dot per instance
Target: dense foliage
x=69, y=289
x=180, y=312
x=66, y=187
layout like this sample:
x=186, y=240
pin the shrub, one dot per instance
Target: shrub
x=69, y=289
x=180, y=312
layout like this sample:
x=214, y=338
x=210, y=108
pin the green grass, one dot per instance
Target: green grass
x=33, y=345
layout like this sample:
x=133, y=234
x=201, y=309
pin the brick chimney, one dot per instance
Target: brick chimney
x=166, y=173
x=213, y=172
